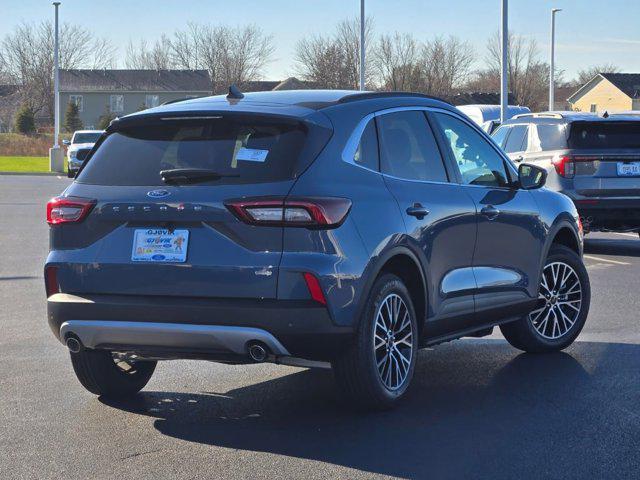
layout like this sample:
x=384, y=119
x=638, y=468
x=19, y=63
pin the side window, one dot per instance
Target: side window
x=500, y=134
x=476, y=158
x=548, y=137
x=116, y=103
x=517, y=141
x=367, y=153
x=408, y=148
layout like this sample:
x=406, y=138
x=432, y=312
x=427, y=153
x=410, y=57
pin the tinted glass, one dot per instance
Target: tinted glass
x=476, y=158
x=548, y=137
x=367, y=153
x=247, y=149
x=517, y=139
x=86, y=137
x=605, y=135
x=500, y=134
x=408, y=148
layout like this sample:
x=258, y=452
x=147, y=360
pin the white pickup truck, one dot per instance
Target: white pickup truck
x=80, y=145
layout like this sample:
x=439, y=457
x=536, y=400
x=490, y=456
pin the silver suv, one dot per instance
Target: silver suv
x=595, y=160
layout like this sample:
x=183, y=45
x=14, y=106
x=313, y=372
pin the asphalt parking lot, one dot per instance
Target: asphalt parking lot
x=478, y=408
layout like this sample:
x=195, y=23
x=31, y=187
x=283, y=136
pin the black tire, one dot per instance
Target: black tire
x=356, y=371
x=98, y=372
x=71, y=174
x=523, y=335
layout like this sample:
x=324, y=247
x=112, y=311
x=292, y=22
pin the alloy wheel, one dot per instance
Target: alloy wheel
x=560, y=301
x=393, y=341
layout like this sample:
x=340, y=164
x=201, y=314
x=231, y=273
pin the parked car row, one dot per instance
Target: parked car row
x=306, y=226
x=594, y=160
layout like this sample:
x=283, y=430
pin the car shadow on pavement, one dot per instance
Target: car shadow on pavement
x=627, y=247
x=477, y=409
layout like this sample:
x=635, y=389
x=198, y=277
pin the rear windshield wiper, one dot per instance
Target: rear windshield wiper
x=191, y=175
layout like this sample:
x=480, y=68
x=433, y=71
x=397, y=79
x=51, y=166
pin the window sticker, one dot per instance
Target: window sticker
x=252, y=154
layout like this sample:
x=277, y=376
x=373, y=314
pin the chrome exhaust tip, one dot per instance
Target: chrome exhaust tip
x=257, y=352
x=73, y=344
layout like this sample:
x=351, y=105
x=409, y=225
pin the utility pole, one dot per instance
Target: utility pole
x=504, y=74
x=56, y=156
x=362, y=45
x=552, y=82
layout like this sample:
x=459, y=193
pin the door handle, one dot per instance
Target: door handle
x=490, y=212
x=418, y=211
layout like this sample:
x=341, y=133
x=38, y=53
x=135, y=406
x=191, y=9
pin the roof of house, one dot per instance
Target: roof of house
x=628, y=83
x=135, y=80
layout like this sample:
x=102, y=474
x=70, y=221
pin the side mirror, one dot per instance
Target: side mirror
x=531, y=177
x=66, y=142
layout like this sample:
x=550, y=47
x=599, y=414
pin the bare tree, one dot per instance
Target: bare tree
x=588, y=73
x=395, y=61
x=27, y=54
x=445, y=65
x=334, y=61
x=231, y=55
x=142, y=57
x=528, y=75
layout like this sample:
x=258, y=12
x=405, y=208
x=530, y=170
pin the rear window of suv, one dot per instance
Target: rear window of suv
x=604, y=135
x=242, y=149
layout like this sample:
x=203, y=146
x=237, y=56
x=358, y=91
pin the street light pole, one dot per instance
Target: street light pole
x=504, y=75
x=552, y=59
x=56, y=156
x=56, y=80
x=362, y=45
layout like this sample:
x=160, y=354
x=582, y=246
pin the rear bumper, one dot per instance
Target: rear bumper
x=613, y=214
x=197, y=327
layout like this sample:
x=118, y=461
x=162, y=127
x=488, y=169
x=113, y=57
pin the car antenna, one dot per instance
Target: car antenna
x=235, y=93
x=605, y=114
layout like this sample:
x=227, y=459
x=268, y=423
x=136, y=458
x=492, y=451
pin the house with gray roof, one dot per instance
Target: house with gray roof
x=120, y=92
x=611, y=92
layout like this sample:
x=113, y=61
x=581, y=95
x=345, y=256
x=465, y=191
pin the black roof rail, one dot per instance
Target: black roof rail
x=354, y=97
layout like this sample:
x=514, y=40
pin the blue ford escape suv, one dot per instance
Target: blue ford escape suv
x=302, y=227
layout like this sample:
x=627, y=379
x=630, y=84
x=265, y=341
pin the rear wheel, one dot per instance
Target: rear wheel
x=563, y=306
x=377, y=369
x=108, y=374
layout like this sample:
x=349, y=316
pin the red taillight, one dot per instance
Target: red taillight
x=68, y=209
x=51, y=280
x=314, y=288
x=291, y=212
x=564, y=166
x=580, y=227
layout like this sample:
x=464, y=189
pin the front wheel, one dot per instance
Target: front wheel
x=377, y=369
x=562, y=309
x=108, y=374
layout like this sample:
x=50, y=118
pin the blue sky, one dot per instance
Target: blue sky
x=588, y=31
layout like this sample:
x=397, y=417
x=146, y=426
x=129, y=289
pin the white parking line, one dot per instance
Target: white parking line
x=626, y=234
x=599, y=259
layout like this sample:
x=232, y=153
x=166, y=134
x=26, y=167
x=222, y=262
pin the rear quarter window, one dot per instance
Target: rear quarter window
x=243, y=149
x=546, y=137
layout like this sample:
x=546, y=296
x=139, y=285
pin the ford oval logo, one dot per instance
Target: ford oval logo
x=158, y=193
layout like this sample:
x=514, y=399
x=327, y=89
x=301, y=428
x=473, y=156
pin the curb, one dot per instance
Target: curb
x=38, y=174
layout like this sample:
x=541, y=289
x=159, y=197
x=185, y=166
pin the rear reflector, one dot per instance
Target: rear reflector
x=326, y=212
x=314, y=288
x=51, y=280
x=68, y=209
